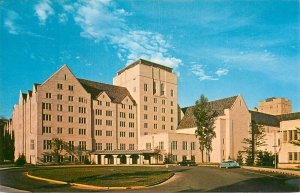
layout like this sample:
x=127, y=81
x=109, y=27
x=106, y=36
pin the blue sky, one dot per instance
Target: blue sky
x=218, y=48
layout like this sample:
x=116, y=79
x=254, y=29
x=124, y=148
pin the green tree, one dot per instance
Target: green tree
x=205, y=119
x=240, y=158
x=265, y=158
x=256, y=139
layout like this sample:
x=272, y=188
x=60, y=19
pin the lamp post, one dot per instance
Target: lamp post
x=275, y=152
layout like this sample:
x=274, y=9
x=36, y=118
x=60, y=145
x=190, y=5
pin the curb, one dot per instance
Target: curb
x=92, y=187
x=280, y=171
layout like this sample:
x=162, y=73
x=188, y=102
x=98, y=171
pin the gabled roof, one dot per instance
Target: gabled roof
x=145, y=62
x=290, y=116
x=189, y=121
x=264, y=119
x=116, y=93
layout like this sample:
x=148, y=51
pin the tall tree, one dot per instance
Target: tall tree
x=205, y=119
x=254, y=141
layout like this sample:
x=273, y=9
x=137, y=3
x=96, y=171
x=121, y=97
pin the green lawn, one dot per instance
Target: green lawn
x=109, y=176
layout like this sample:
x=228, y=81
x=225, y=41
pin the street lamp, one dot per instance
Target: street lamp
x=275, y=152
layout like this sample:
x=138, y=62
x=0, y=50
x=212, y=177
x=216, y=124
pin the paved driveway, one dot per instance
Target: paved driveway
x=186, y=179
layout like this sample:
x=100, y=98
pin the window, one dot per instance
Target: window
x=290, y=156
x=98, y=112
x=155, y=117
x=70, y=131
x=172, y=92
x=59, y=86
x=46, y=130
x=46, y=106
x=32, y=144
x=59, y=107
x=148, y=146
x=192, y=145
x=174, y=158
x=145, y=107
x=46, y=117
x=184, y=145
x=59, y=97
x=146, y=87
x=99, y=102
x=161, y=145
x=59, y=118
x=122, y=114
x=123, y=106
x=131, y=134
x=71, y=145
x=82, y=120
x=109, y=113
x=59, y=130
x=47, y=144
x=172, y=103
x=162, y=89
x=174, y=145
x=172, y=127
x=130, y=107
x=155, y=109
x=70, y=98
x=172, y=111
x=108, y=133
x=98, y=132
x=163, y=102
x=71, y=158
x=172, y=119
x=145, y=99
x=71, y=88
x=98, y=121
x=82, y=100
x=122, y=124
x=290, y=135
x=295, y=156
x=122, y=146
x=98, y=146
x=163, y=118
x=47, y=158
x=131, y=116
x=131, y=146
x=295, y=135
x=70, y=108
x=48, y=95
x=145, y=116
x=131, y=124
x=155, y=126
x=108, y=104
x=108, y=146
x=163, y=110
x=82, y=131
x=122, y=134
x=70, y=119
x=154, y=87
x=155, y=100
x=82, y=110
x=82, y=145
x=109, y=123
x=284, y=136
x=163, y=127
x=145, y=125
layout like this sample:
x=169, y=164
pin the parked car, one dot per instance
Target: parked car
x=229, y=164
x=187, y=163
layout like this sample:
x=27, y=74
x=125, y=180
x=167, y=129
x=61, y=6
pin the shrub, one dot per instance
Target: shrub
x=87, y=161
x=240, y=158
x=21, y=161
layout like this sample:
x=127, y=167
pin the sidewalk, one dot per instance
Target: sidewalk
x=8, y=189
x=281, y=171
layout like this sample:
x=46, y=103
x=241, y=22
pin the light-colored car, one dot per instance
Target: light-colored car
x=229, y=164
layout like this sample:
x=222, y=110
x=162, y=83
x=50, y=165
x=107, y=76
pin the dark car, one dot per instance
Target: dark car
x=187, y=163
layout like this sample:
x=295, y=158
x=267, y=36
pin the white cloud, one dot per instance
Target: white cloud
x=198, y=70
x=100, y=20
x=62, y=18
x=221, y=72
x=43, y=9
x=9, y=22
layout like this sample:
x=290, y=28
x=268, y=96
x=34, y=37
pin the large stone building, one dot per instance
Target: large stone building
x=275, y=106
x=137, y=120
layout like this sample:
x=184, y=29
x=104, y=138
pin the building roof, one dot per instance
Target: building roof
x=290, y=116
x=264, y=119
x=116, y=93
x=189, y=121
x=145, y=62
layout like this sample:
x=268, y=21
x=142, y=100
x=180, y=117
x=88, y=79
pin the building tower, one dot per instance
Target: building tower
x=154, y=88
x=275, y=106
